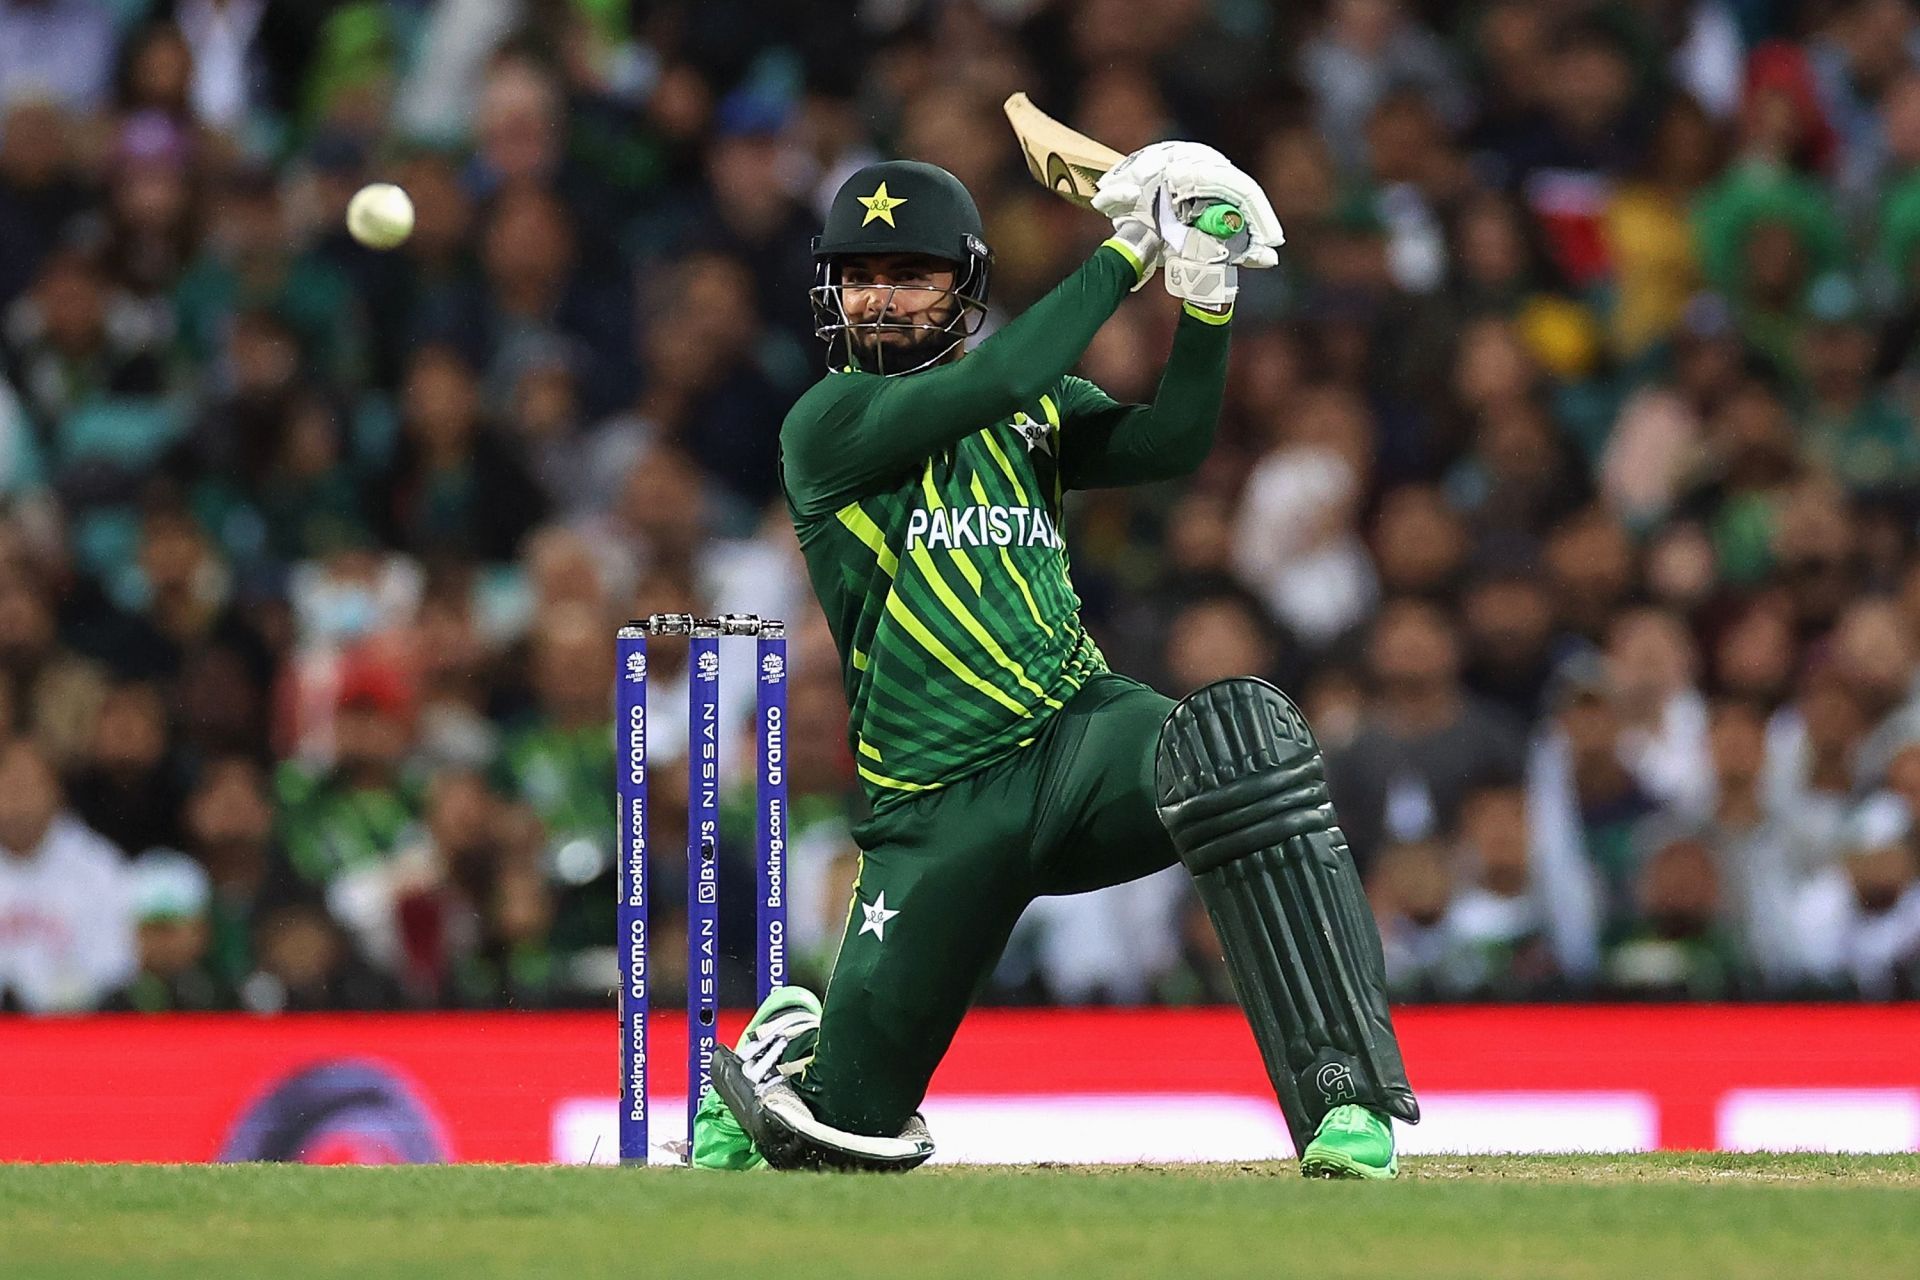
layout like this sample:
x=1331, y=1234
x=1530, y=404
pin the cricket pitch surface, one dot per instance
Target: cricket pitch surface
x=1448, y=1216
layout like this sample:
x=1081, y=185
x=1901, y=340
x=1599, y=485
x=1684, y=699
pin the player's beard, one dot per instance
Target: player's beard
x=926, y=340
x=923, y=347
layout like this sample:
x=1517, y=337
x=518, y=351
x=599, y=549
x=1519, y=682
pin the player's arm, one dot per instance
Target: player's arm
x=1104, y=444
x=864, y=438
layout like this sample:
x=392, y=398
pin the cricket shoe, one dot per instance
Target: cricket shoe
x=779, y=1038
x=1351, y=1142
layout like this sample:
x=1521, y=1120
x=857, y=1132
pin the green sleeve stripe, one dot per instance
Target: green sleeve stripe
x=869, y=750
x=932, y=644
x=1208, y=317
x=1006, y=562
x=859, y=660
x=964, y=616
x=1006, y=465
x=895, y=784
x=965, y=563
x=1125, y=250
x=862, y=527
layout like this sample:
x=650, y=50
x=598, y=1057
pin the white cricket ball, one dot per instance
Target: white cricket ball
x=380, y=216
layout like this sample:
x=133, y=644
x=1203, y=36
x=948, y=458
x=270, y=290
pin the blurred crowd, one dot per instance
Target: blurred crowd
x=1567, y=474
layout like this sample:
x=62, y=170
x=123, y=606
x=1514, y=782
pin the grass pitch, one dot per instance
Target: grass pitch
x=1479, y=1217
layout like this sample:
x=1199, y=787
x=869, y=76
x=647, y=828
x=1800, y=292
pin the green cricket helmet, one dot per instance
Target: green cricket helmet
x=901, y=206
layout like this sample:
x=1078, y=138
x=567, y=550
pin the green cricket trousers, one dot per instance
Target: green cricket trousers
x=944, y=876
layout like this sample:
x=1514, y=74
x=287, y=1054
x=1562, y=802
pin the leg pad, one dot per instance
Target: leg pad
x=1242, y=790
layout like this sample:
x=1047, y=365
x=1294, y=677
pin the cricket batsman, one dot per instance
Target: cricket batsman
x=1002, y=758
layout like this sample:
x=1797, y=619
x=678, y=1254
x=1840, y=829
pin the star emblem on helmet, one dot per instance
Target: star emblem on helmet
x=880, y=205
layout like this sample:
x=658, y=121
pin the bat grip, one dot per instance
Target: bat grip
x=1221, y=221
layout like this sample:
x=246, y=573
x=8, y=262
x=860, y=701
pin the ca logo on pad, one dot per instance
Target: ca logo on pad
x=1335, y=1083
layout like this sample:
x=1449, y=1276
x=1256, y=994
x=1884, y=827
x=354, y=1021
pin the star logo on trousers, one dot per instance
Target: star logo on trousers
x=877, y=916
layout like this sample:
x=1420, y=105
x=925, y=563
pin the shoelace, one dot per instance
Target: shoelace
x=760, y=1056
x=1351, y=1120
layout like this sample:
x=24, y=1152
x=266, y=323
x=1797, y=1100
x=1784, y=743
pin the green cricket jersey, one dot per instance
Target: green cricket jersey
x=928, y=507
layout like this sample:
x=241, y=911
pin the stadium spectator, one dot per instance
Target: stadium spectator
x=249, y=58
x=1566, y=472
x=1508, y=634
x=705, y=386
x=41, y=190
x=1663, y=718
x=66, y=924
x=247, y=261
x=1367, y=48
x=1857, y=925
x=1419, y=543
x=1591, y=570
x=1655, y=450
x=51, y=694
x=1755, y=847
x=1218, y=634
x=128, y=790
x=78, y=346
x=1294, y=544
x=355, y=811
x=1676, y=948
x=1811, y=750
x=228, y=822
x=1412, y=889
x=540, y=293
x=1425, y=741
x=1497, y=914
x=455, y=668
x=61, y=51
x=556, y=761
x=1466, y=922
x=306, y=964
x=458, y=487
x=171, y=901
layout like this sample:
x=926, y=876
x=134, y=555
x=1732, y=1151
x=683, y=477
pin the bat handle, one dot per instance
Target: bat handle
x=1221, y=221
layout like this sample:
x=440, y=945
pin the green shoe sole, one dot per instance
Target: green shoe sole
x=1336, y=1164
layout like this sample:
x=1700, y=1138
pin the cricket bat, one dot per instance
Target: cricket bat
x=1070, y=163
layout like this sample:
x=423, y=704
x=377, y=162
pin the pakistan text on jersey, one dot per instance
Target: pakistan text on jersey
x=982, y=526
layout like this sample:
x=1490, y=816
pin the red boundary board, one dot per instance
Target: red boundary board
x=168, y=1088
